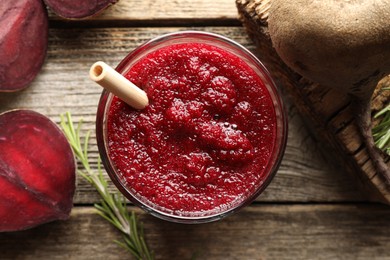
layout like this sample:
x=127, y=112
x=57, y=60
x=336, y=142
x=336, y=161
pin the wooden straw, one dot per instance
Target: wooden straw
x=118, y=85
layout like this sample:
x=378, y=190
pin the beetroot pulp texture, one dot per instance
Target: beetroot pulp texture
x=205, y=141
x=76, y=9
x=37, y=171
x=23, y=42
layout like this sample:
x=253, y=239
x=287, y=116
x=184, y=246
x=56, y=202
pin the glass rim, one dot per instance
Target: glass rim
x=280, y=114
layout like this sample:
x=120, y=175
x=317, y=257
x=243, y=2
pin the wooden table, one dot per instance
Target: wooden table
x=313, y=209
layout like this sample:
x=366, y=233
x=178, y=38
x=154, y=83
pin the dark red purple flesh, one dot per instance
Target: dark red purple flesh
x=76, y=9
x=23, y=42
x=37, y=171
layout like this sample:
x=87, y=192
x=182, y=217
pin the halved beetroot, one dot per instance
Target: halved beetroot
x=76, y=9
x=37, y=171
x=23, y=42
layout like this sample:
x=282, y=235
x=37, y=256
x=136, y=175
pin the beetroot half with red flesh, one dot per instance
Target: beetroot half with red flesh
x=76, y=9
x=23, y=42
x=37, y=171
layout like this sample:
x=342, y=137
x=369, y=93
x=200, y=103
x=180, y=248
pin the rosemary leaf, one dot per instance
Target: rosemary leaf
x=381, y=132
x=128, y=246
x=113, y=205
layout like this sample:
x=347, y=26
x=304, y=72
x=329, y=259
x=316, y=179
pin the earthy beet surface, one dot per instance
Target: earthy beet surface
x=37, y=171
x=76, y=9
x=23, y=42
x=337, y=45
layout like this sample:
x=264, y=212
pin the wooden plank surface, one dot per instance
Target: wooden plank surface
x=160, y=12
x=311, y=210
x=258, y=232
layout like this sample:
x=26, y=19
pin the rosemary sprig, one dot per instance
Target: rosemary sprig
x=113, y=206
x=381, y=132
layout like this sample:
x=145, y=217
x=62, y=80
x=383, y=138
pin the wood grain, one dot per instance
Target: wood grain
x=160, y=12
x=63, y=85
x=257, y=232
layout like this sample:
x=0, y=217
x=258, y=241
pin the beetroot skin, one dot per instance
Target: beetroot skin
x=37, y=171
x=76, y=9
x=23, y=42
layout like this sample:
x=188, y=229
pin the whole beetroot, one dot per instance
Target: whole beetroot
x=76, y=9
x=23, y=42
x=339, y=44
x=37, y=171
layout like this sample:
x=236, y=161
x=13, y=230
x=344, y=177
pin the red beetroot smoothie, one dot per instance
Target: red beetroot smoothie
x=204, y=141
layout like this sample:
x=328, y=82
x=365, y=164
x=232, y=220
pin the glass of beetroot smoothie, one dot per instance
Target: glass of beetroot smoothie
x=211, y=138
